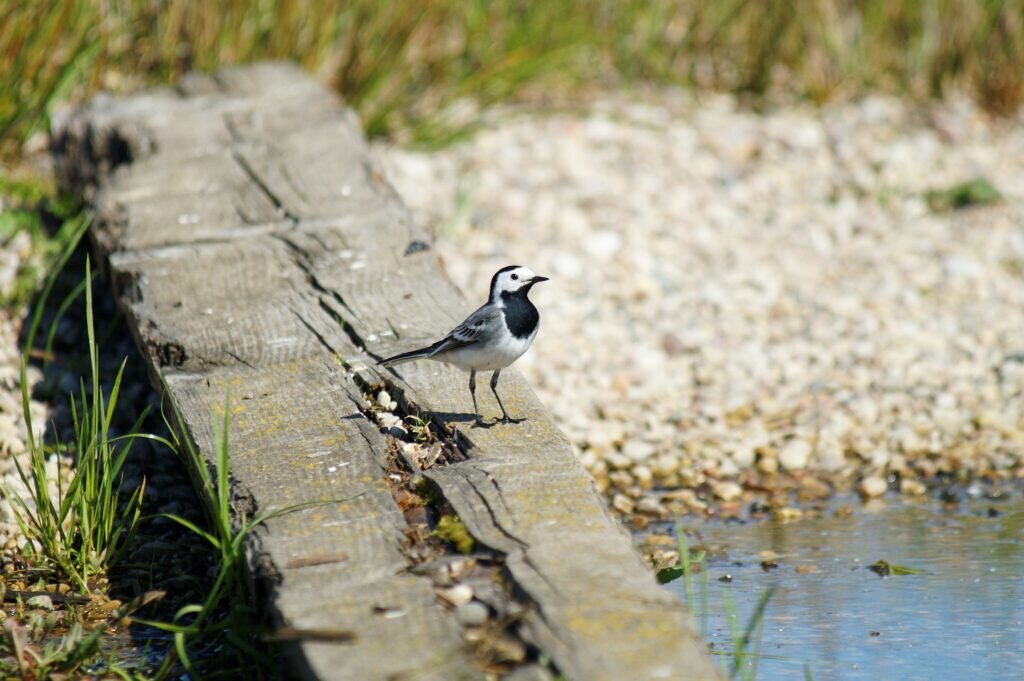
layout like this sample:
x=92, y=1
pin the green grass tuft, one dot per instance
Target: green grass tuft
x=81, y=527
x=975, y=192
x=226, y=623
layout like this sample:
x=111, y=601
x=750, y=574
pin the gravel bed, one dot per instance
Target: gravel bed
x=742, y=300
x=14, y=432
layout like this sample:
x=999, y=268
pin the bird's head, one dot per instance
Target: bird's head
x=513, y=279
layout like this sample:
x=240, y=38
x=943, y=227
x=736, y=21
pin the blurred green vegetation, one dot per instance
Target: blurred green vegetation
x=35, y=227
x=410, y=67
x=974, y=192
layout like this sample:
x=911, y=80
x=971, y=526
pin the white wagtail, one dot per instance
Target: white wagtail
x=493, y=337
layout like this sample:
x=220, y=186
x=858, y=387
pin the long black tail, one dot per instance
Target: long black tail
x=422, y=353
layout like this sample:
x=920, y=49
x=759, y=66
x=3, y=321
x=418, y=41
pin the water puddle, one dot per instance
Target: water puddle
x=961, y=617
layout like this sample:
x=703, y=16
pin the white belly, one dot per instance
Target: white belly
x=493, y=356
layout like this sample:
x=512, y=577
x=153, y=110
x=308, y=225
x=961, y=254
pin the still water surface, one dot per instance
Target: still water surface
x=961, y=618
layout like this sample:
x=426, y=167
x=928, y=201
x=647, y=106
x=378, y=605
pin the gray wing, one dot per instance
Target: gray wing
x=469, y=331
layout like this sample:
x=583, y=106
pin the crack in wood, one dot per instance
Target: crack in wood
x=313, y=330
x=258, y=181
x=238, y=358
x=485, y=499
x=302, y=260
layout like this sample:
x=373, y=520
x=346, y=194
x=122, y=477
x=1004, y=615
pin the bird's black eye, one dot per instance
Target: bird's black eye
x=514, y=277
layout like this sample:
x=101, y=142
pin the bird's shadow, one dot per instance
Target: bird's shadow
x=459, y=417
x=446, y=417
x=469, y=418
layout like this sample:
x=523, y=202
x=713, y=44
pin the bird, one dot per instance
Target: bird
x=492, y=337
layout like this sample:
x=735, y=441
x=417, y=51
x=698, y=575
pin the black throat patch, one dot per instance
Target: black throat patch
x=521, y=317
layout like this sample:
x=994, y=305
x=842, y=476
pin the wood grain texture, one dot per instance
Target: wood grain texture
x=257, y=249
x=297, y=437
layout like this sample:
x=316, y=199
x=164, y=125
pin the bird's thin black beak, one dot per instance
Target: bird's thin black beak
x=538, y=279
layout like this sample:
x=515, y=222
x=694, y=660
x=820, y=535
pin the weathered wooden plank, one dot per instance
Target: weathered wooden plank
x=216, y=323
x=236, y=307
x=296, y=259
x=209, y=195
x=296, y=437
x=218, y=316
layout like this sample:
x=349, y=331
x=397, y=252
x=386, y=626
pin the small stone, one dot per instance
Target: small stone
x=617, y=461
x=727, y=490
x=472, y=614
x=638, y=522
x=898, y=464
x=588, y=459
x=604, y=434
x=743, y=456
x=865, y=410
x=949, y=421
x=880, y=458
x=672, y=345
x=389, y=421
x=873, y=486
x=621, y=479
x=664, y=559
x=652, y=541
x=727, y=468
x=42, y=601
x=652, y=507
x=813, y=488
x=623, y=504
x=458, y=595
x=767, y=464
x=643, y=476
x=787, y=514
x=384, y=400
x=911, y=442
x=665, y=465
x=830, y=457
x=795, y=455
x=638, y=450
x=690, y=478
x=912, y=487
x=839, y=424
x=687, y=498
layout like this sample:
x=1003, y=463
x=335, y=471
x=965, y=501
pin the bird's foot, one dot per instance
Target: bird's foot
x=480, y=423
x=508, y=419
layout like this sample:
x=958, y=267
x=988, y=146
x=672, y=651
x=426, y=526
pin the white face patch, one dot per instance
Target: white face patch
x=513, y=280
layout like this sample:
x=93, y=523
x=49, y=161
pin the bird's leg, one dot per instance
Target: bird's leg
x=505, y=418
x=472, y=391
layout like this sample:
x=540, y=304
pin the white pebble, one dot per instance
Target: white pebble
x=795, y=455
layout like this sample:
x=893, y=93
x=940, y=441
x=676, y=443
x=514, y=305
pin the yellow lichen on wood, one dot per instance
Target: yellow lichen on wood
x=451, y=530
